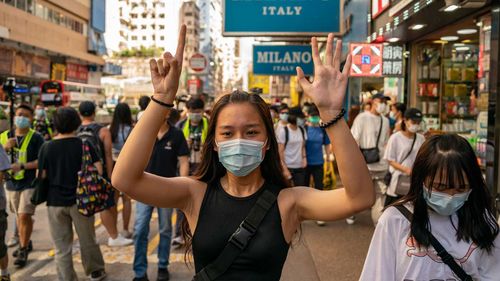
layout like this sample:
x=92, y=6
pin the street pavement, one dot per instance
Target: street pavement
x=332, y=252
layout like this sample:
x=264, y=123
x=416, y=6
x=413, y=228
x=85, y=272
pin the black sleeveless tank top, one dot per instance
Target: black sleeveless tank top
x=220, y=215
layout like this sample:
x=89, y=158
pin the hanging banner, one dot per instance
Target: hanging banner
x=77, y=72
x=366, y=60
x=282, y=60
x=281, y=18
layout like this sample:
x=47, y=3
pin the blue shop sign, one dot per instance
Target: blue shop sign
x=281, y=18
x=282, y=60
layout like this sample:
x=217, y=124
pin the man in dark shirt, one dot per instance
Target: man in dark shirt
x=24, y=143
x=170, y=148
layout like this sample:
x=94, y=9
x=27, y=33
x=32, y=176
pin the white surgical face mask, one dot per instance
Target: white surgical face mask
x=240, y=156
x=414, y=128
x=444, y=204
x=381, y=107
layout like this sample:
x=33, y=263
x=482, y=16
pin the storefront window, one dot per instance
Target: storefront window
x=451, y=76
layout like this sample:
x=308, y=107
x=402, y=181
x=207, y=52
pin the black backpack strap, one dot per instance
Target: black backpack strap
x=441, y=251
x=303, y=133
x=240, y=238
x=286, y=134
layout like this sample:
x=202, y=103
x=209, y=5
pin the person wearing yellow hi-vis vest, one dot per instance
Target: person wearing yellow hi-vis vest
x=42, y=124
x=194, y=129
x=24, y=143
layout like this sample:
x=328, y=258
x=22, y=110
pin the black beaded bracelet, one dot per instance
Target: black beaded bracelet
x=333, y=121
x=164, y=104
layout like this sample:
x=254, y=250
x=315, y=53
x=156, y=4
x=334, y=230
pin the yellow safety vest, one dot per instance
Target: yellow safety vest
x=204, y=130
x=49, y=129
x=21, y=152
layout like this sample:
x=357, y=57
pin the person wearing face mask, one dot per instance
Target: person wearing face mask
x=292, y=147
x=245, y=214
x=448, y=209
x=401, y=152
x=317, y=140
x=24, y=144
x=42, y=124
x=283, y=110
x=194, y=128
x=396, y=116
x=371, y=131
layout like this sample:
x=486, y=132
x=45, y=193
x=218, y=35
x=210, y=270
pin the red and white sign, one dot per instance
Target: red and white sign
x=77, y=72
x=366, y=59
x=378, y=6
x=193, y=86
x=198, y=62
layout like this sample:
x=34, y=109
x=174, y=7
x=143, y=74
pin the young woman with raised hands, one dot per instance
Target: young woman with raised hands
x=241, y=162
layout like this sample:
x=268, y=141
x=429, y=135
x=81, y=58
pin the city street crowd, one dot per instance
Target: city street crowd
x=239, y=178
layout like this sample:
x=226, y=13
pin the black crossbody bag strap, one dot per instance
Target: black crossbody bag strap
x=239, y=240
x=379, y=131
x=441, y=251
x=411, y=149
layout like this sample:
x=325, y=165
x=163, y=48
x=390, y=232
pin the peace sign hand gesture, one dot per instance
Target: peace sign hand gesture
x=328, y=88
x=165, y=72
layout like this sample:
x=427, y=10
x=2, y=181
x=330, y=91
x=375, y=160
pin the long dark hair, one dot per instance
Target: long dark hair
x=121, y=117
x=450, y=159
x=211, y=170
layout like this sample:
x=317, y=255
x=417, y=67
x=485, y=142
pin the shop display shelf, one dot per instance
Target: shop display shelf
x=429, y=80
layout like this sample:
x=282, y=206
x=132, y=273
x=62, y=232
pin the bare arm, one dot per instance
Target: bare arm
x=184, y=166
x=99, y=167
x=328, y=91
x=400, y=167
x=129, y=175
x=328, y=152
x=105, y=136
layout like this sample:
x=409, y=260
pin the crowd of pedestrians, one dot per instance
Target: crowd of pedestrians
x=242, y=174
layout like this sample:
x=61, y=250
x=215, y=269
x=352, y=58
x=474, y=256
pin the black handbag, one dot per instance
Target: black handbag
x=388, y=175
x=41, y=186
x=372, y=155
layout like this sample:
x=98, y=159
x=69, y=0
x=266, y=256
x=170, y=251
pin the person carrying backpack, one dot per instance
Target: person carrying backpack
x=100, y=138
x=292, y=148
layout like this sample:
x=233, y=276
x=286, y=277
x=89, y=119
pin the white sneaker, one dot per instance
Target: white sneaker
x=127, y=234
x=320, y=223
x=119, y=241
x=351, y=220
x=178, y=241
x=13, y=241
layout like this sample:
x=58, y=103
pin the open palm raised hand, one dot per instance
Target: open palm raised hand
x=329, y=86
x=165, y=72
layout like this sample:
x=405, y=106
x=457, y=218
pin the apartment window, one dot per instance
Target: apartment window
x=162, y=38
x=189, y=22
x=162, y=26
x=143, y=26
x=153, y=16
x=162, y=16
x=153, y=26
x=143, y=37
x=134, y=38
x=188, y=14
x=153, y=37
x=134, y=16
x=144, y=15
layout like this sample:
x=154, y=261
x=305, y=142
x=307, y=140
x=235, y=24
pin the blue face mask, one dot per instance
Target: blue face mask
x=22, y=122
x=444, y=204
x=284, y=117
x=240, y=156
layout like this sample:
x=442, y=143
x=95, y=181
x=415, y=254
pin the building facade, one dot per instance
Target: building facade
x=51, y=39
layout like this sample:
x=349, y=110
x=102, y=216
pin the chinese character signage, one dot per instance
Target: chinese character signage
x=378, y=6
x=366, y=60
x=393, y=61
x=282, y=59
x=281, y=18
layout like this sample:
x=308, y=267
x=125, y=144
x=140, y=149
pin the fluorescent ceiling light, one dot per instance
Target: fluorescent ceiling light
x=462, y=48
x=417, y=26
x=449, y=38
x=459, y=44
x=451, y=8
x=467, y=31
x=393, y=39
x=440, y=42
